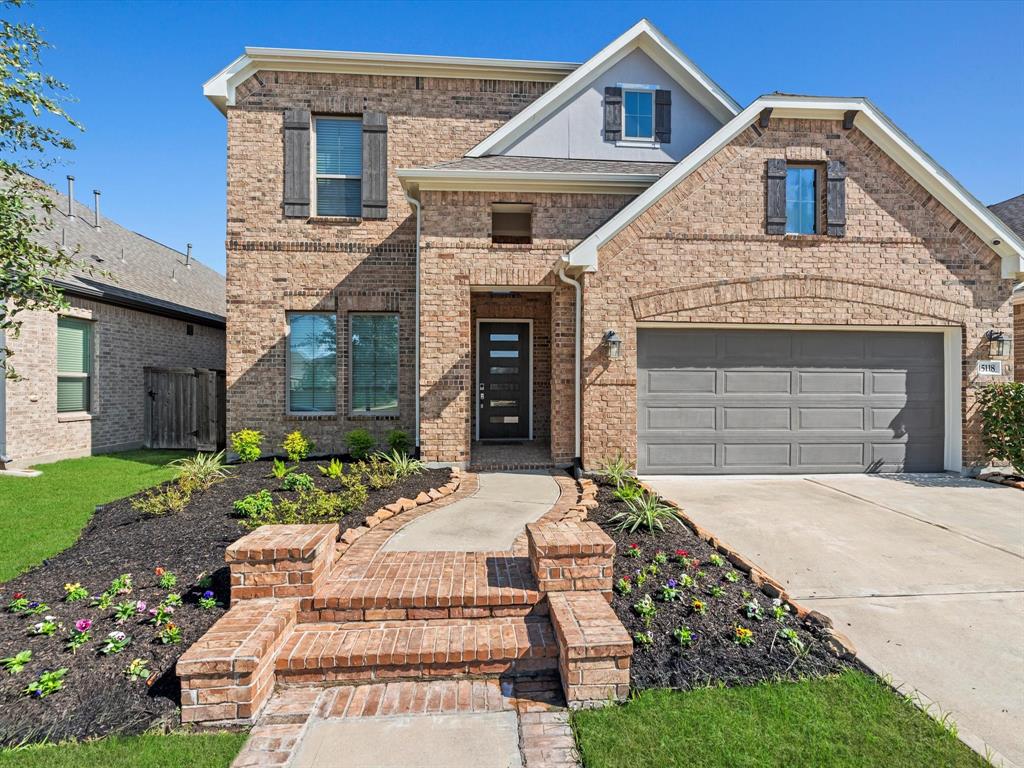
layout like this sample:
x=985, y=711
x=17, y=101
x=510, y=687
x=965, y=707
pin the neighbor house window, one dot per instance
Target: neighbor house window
x=312, y=362
x=74, y=364
x=512, y=223
x=339, y=166
x=374, y=363
x=638, y=115
x=801, y=200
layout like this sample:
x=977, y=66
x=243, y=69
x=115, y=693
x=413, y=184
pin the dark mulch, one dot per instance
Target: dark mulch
x=713, y=657
x=97, y=698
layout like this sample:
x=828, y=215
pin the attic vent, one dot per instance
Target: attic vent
x=189, y=329
x=512, y=223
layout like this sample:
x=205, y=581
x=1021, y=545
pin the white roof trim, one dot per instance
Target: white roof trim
x=642, y=35
x=415, y=180
x=220, y=89
x=875, y=125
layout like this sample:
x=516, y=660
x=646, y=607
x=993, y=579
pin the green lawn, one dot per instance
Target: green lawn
x=41, y=516
x=207, y=750
x=850, y=720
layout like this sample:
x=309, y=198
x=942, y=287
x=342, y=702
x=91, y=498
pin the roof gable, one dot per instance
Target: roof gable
x=874, y=124
x=1012, y=213
x=642, y=36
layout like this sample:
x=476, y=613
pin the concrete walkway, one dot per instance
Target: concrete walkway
x=924, y=573
x=487, y=521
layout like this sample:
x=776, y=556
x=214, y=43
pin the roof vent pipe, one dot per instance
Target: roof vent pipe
x=96, y=209
x=188, y=254
x=71, y=196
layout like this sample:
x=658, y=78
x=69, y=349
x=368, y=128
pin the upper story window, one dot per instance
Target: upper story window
x=638, y=114
x=512, y=223
x=312, y=362
x=339, y=166
x=74, y=364
x=801, y=200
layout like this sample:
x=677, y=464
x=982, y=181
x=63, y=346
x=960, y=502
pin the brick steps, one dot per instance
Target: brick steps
x=387, y=650
x=426, y=585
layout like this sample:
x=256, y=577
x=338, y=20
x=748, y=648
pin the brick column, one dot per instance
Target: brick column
x=281, y=561
x=570, y=555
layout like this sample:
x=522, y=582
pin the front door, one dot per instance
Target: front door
x=503, y=386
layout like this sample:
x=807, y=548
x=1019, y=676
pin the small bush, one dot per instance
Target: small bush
x=280, y=470
x=360, y=443
x=646, y=510
x=615, y=472
x=312, y=506
x=247, y=443
x=199, y=472
x=399, y=464
x=1001, y=406
x=298, y=481
x=334, y=470
x=628, y=491
x=169, y=500
x=254, y=505
x=296, y=446
x=398, y=441
x=378, y=473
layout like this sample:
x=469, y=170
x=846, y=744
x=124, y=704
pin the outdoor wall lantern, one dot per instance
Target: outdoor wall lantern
x=614, y=344
x=997, y=343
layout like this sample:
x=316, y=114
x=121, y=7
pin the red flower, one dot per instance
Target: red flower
x=159, y=571
x=682, y=552
x=18, y=595
x=634, y=546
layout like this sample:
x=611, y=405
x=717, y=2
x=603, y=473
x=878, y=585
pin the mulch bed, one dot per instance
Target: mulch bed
x=97, y=698
x=713, y=657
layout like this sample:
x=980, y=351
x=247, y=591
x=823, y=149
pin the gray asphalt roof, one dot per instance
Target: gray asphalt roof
x=1012, y=213
x=499, y=163
x=138, y=269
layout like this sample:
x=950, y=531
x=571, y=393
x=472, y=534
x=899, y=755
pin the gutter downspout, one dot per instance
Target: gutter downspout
x=576, y=380
x=416, y=204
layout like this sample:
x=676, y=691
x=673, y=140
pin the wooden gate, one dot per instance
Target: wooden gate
x=185, y=408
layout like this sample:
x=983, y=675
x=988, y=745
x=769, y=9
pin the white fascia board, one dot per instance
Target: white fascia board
x=220, y=88
x=870, y=121
x=643, y=35
x=418, y=179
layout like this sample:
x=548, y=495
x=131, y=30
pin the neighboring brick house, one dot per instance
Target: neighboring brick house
x=1012, y=212
x=597, y=259
x=137, y=304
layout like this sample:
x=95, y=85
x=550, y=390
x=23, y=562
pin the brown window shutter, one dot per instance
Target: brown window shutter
x=375, y=165
x=296, y=162
x=612, y=113
x=663, y=116
x=776, y=197
x=835, y=198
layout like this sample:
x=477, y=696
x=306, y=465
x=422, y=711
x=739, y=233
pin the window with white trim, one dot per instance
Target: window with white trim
x=312, y=362
x=338, y=166
x=373, y=363
x=74, y=365
x=638, y=114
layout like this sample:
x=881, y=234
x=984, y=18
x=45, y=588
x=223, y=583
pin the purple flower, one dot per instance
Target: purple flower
x=83, y=625
x=152, y=611
x=672, y=583
x=117, y=636
x=140, y=607
x=208, y=594
x=34, y=604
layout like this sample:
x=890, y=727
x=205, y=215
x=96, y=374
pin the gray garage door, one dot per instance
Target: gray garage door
x=728, y=402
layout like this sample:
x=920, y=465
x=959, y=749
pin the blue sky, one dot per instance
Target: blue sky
x=950, y=74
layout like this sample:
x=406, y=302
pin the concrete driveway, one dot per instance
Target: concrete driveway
x=924, y=573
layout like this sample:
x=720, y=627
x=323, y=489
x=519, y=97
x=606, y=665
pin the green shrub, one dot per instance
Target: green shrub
x=334, y=470
x=378, y=473
x=280, y=470
x=399, y=464
x=628, y=491
x=615, y=472
x=199, y=472
x=1001, y=406
x=247, y=443
x=360, y=443
x=168, y=500
x=298, y=481
x=312, y=506
x=398, y=441
x=646, y=510
x=296, y=446
x=255, y=504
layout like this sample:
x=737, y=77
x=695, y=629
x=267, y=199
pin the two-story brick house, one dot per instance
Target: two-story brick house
x=612, y=257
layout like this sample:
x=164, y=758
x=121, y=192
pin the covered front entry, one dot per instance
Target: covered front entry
x=717, y=401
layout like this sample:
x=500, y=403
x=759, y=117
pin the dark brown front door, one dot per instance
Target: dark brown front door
x=503, y=389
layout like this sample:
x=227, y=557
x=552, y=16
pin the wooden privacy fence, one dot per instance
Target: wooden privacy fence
x=185, y=408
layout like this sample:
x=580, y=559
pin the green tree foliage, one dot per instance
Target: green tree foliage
x=32, y=120
x=1001, y=406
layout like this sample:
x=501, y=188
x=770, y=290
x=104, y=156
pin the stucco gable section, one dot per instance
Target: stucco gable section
x=877, y=134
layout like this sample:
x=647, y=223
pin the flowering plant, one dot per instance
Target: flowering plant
x=684, y=635
x=19, y=603
x=670, y=591
x=753, y=610
x=173, y=600
x=779, y=610
x=102, y=601
x=124, y=611
x=170, y=634
x=643, y=638
x=115, y=643
x=623, y=586
x=48, y=627
x=161, y=614
x=732, y=577
x=75, y=592
x=660, y=558
x=742, y=636
x=36, y=607
x=207, y=601
x=633, y=550
x=47, y=683
x=716, y=591
x=122, y=585
x=137, y=669
x=716, y=559
x=686, y=581
x=699, y=606
x=645, y=609
x=166, y=579
x=682, y=556
x=80, y=635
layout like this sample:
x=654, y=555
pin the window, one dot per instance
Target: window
x=374, y=363
x=312, y=362
x=339, y=166
x=74, y=364
x=638, y=115
x=512, y=223
x=801, y=200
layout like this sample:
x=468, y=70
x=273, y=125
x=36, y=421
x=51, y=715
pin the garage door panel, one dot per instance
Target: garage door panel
x=724, y=401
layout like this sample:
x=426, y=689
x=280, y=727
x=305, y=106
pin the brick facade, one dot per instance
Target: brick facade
x=701, y=255
x=124, y=342
x=1018, y=337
